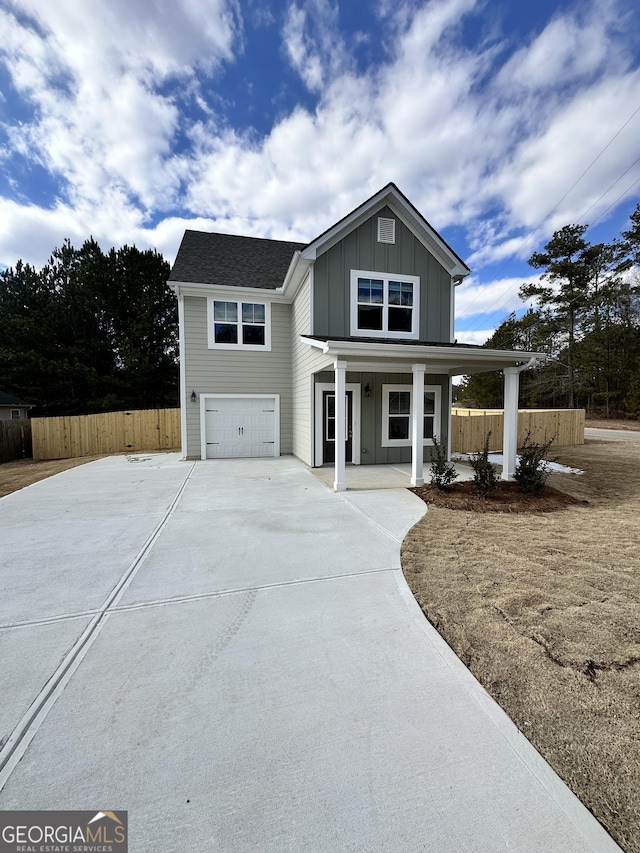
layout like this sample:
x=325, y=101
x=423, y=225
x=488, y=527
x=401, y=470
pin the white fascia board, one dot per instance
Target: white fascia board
x=296, y=275
x=431, y=240
x=499, y=358
x=190, y=288
x=391, y=197
x=348, y=223
x=312, y=342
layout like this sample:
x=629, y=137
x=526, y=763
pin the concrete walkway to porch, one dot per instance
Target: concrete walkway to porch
x=364, y=477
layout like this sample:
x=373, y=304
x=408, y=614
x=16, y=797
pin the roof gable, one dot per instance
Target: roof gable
x=231, y=261
x=401, y=206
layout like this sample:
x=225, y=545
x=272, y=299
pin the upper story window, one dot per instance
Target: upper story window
x=239, y=325
x=384, y=306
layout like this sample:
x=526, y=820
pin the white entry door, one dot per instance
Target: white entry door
x=240, y=427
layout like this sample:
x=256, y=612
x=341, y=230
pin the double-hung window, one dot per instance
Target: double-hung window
x=396, y=414
x=239, y=325
x=384, y=305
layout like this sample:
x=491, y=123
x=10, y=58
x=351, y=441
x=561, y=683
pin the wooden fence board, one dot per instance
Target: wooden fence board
x=159, y=429
x=104, y=434
x=470, y=426
x=15, y=440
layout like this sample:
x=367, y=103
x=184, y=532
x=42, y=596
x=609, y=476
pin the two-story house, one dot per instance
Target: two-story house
x=340, y=351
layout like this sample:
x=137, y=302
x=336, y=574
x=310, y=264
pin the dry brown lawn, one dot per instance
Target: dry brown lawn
x=544, y=608
x=16, y=475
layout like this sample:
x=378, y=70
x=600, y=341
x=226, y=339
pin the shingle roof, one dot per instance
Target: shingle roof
x=10, y=400
x=226, y=259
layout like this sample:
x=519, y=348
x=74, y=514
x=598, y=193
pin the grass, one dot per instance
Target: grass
x=23, y=472
x=544, y=608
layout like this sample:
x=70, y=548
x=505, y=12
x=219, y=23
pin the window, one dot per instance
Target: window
x=239, y=325
x=384, y=306
x=15, y=414
x=396, y=414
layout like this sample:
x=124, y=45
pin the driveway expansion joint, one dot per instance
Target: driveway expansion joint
x=18, y=741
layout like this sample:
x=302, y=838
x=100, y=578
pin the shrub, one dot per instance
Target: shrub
x=532, y=467
x=443, y=472
x=485, y=477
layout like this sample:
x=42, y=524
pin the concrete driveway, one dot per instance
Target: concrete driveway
x=611, y=434
x=229, y=651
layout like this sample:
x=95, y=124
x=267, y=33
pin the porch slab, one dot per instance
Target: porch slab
x=365, y=477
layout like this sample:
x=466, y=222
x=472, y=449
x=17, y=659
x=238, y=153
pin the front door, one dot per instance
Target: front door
x=329, y=427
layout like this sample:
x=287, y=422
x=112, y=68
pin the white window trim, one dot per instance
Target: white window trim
x=406, y=442
x=249, y=300
x=386, y=278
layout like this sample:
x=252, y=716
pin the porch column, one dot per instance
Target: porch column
x=340, y=371
x=510, y=437
x=417, y=426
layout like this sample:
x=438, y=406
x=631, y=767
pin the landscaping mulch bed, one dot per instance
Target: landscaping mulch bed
x=504, y=498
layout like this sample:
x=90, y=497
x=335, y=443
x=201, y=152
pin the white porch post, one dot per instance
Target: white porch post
x=510, y=437
x=417, y=426
x=340, y=371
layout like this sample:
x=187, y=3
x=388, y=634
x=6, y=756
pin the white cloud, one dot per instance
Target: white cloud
x=474, y=297
x=488, y=139
x=101, y=120
x=474, y=337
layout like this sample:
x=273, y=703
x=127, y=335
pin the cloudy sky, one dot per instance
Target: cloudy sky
x=131, y=120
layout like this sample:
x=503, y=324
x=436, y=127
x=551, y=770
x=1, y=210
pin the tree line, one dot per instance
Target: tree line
x=585, y=317
x=90, y=331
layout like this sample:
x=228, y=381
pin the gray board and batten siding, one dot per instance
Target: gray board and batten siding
x=218, y=371
x=371, y=450
x=360, y=250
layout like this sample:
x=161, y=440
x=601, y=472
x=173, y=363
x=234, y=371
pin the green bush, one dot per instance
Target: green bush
x=485, y=477
x=443, y=472
x=532, y=467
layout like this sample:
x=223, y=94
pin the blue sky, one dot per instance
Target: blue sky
x=501, y=121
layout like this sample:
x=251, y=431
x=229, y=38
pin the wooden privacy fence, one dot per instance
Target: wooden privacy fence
x=113, y=432
x=470, y=426
x=15, y=440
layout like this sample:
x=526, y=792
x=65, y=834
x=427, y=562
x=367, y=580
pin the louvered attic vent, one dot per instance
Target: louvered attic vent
x=386, y=230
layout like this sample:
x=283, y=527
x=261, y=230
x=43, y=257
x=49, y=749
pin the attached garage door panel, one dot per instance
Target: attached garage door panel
x=240, y=427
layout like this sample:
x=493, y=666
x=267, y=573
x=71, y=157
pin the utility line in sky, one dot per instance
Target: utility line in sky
x=557, y=205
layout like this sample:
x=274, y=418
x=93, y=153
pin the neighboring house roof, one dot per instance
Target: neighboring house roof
x=232, y=261
x=10, y=400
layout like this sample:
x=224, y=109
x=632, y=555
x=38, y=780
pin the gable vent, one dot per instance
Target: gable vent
x=386, y=230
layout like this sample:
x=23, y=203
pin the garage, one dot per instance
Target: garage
x=239, y=426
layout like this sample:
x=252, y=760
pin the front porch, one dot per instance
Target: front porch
x=370, y=477
x=399, y=395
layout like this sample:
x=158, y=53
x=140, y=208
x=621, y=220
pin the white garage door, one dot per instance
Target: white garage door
x=240, y=426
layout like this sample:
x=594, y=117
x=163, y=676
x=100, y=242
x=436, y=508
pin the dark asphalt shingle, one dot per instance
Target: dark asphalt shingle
x=226, y=259
x=10, y=400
